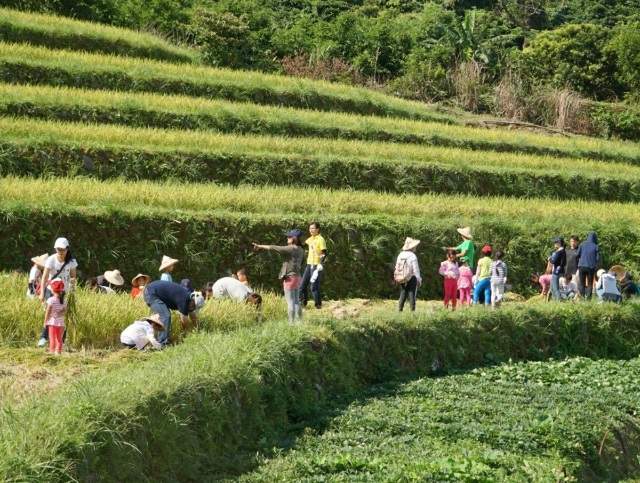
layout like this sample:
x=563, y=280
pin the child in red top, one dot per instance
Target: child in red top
x=465, y=283
x=54, y=315
x=449, y=270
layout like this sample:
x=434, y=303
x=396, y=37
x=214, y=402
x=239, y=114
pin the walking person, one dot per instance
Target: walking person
x=314, y=271
x=54, y=315
x=449, y=270
x=35, y=276
x=407, y=273
x=162, y=297
x=483, y=277
x=60, y=265
x=465, y=283
x=558, y=260
x=588, y=260
x=498, y=279
x=290, y=272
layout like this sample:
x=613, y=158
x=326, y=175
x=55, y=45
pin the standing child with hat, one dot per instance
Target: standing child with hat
x=141, y=333
x=483, y=277
x=35, y=275
x=407, y=273
x=54, y=315
x=166, y=267
x=449, y=270
x=138, y=283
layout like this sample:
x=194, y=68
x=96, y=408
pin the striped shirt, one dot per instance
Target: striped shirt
x=56, y=314
x=498, y=272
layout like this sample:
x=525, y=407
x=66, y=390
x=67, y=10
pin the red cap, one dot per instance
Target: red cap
x=487, y=249
x=56, y=286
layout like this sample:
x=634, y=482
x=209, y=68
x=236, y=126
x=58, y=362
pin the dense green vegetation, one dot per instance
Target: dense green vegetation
x=570, y=420
x=225, y=396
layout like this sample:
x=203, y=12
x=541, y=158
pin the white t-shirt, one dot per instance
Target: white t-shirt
x=35, y=274
x=229, y=287
x=53, y=264
x=140, y=333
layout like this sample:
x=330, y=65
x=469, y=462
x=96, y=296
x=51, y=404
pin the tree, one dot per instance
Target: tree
x=626, y=45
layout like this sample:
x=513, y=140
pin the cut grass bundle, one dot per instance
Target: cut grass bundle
x=38, y=65
x=65, y=33
x=179, y=112
x=218, y=399
x=30, y=147
x=211, y=228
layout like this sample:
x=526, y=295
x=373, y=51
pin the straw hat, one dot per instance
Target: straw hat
x=619, y=270
x=40, y=261
x=155, y=319
x=167, y=262
x=465, y=232
x=114, y=277
x=410, y=243
x=140, y=275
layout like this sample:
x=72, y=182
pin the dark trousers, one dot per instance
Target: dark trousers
x=158, y=306
x=587, y=276
x=408, y=290
x=315, y=287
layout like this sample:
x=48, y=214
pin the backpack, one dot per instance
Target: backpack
x=403, y=271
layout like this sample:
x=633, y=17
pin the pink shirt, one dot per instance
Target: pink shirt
x=545, y=282
x=449, y=270
x=466, y=278
x=56, y=315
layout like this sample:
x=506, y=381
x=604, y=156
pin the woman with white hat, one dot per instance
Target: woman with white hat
x=60, y=265
x=407, y=273
x=111, y=278
x=35, y=275
x=166, y=267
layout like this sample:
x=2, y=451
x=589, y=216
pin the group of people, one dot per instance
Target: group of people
x=53, y=277
x=463, y=281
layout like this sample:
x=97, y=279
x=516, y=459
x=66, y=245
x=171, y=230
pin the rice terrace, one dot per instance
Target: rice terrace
x=319, y=241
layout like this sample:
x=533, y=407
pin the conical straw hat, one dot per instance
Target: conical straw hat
x=167, y=262
x=40, y=260
x=410, y=243
x=465, y=232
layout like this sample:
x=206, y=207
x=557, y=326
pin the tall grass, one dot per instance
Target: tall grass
x=37, y=65
x=144, y=109
x=65, y=33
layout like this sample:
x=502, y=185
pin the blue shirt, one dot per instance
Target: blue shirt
x=174, y=296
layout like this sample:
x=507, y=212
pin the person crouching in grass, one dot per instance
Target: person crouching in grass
x=54, y=315
x=141, y=333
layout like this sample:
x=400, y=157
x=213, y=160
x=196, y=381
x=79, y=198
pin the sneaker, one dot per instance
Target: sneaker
x=42, y=342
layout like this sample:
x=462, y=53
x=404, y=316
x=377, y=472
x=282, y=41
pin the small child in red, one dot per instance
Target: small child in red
x=54, y=315
x=449, y=270
x=465, y=283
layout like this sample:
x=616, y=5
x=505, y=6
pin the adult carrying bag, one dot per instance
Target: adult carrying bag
x=403, y=271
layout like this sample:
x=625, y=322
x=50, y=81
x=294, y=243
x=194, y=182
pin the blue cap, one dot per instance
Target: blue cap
x=295, y=233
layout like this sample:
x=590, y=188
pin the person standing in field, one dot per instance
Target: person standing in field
x=54, y=315
x=498, y=279
x=449, y=270
x=407, y=273
x=162, y=297
x=483, y=277
x=290, y=272
x=314, y=271
x=465, y=283
x=138, y=283
x=572, y=257
x=60, y=265
x=466, y=251
x=35, y=276
x=166, y=267
x=588, y=260
x=558, y=260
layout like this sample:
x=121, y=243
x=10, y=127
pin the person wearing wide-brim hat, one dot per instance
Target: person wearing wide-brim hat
x=290, y=271
x=141, y=333
x=407, y=273
x=166, y=267
x=35, y=275
x=110, y=279
x=138, y=283
x=466, y=251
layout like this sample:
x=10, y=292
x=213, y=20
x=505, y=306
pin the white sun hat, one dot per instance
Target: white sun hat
x=114, y=277
x=465, y=232
x=40, y=260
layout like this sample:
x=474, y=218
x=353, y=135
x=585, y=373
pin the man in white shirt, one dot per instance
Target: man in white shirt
x=141, y=333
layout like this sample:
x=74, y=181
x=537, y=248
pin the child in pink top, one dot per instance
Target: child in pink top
x=54, y=315
x=465, y=283
x=449, y=270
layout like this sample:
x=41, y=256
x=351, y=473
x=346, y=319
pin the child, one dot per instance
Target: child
x=35, y=275
x=568, y=287
x=54, y=315
x=465, y=283
x=483, y=277
x=138, y=283
x=498, y=279
x=241, y=276
x=166, y=267
x=449, y=270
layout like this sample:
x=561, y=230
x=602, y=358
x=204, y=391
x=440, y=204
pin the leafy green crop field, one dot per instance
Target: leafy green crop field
x=183, y=112
x=65, y=33
x=570, y=420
